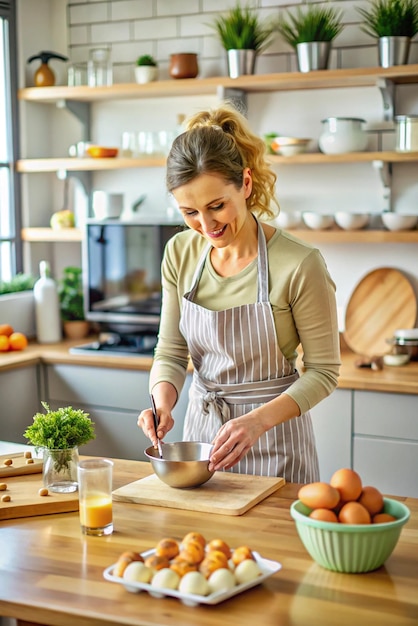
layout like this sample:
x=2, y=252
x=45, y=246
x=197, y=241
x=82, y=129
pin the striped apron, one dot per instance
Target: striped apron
x=239, y=366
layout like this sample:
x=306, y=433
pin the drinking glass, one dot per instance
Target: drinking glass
x=95, y=496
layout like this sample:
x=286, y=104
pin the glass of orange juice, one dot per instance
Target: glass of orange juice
x=95, y=496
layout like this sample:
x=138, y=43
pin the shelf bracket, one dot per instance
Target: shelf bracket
x=237, y=97
x=387, y=90
x=81, y=110
x=385, y=172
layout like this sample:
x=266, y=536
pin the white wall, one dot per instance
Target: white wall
x=160, y=27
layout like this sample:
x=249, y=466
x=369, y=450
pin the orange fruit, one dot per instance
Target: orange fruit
x=4, y=343
x=6, y=329
x=18, y=341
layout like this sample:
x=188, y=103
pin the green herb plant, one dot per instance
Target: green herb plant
x=20, y=282
x=390, y=18
x=147, y=59
x=70, y=292
x=241, y=29
x=314, y=23
x=61, y=431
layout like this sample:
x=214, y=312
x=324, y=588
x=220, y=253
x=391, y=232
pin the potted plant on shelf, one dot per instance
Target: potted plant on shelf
x=59, y=434
x=244, y=36
x=311, y=31
x=146, y=70
x=394, y=23
x=71, y=297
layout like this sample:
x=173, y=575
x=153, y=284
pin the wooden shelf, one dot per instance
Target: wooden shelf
x=311, y=236
x=72, y=164
x=49, y=235
x=255, y=83
x=27, y=166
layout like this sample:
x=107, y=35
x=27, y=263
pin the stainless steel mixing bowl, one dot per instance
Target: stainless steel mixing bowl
x=184, y=463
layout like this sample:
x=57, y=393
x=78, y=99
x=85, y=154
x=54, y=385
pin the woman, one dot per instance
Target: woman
x=239, y=296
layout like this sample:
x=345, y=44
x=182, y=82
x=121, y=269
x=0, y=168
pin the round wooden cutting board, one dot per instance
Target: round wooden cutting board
x=382, y=302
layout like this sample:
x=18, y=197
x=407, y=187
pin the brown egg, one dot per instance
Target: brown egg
x=348, y=483
x=319, y=496
x=383, y=518
x=372, y=499
x=156, y=562
x=194, y=536
x=210, y=565
x=168, y=548
x=324, y=515
x=241, y=553
x=354, y=513
x=219, y=544
x=124, y=560
x=193, y=552
x=218, y=556
x=182, y=567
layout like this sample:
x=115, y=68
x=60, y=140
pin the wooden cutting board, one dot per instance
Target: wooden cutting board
x=19, y=465
x=25, y=501
x=224, y=493
x=382, y=302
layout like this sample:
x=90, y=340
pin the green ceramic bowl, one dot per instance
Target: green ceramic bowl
x=350, y=548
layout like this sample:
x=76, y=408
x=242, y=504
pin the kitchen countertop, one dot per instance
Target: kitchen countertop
x=403, y=379
x=52, y=575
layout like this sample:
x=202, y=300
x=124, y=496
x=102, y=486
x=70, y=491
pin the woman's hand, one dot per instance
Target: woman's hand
x=233, y=440
x=165, y=397
x=146, y=422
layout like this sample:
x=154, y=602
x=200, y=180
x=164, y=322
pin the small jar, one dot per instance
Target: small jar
x=342, y=134
x=184, y=65
x=406, y=133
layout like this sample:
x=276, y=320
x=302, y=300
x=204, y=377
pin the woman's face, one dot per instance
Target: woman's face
x=214, y=208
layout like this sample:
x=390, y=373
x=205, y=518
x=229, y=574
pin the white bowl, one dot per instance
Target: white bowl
x=351, y=221
x=395, y=221
x=289, y=146
x=288, y=220
x=317, y=221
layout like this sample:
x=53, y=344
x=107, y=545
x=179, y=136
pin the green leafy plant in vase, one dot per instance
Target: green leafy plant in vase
x=244, y=36
x=146, y=69
x=311, y=31
x=393, y=23
x=59, y=434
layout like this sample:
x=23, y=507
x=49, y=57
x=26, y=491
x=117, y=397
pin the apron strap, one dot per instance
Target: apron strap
x=262, y=262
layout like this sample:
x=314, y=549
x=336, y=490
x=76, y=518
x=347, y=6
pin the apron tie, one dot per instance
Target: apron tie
x=213, y=404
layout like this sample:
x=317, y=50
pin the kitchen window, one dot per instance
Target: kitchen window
x=10, y=244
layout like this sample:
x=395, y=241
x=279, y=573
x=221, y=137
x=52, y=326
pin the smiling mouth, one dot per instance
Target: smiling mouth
x=214, y=234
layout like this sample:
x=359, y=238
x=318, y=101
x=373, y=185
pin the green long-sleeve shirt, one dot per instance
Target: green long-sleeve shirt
x=302, y=296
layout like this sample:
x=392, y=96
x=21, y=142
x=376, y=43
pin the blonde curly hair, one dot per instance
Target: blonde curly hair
x=220, y=141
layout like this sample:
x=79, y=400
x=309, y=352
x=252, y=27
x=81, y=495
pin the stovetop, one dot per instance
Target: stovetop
x=142, y=344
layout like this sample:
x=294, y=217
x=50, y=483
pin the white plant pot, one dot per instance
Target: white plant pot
x=146, y=74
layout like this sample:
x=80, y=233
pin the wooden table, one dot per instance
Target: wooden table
x=51, y=574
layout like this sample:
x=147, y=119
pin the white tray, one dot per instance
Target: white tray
x=189, y=599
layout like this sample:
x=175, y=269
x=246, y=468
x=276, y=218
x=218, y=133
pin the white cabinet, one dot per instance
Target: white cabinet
x=385, y=441
x=113, y=398
x=19, y=402
x=331, y=420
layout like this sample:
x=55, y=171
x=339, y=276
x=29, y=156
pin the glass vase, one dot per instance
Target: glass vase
x=60, y=470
